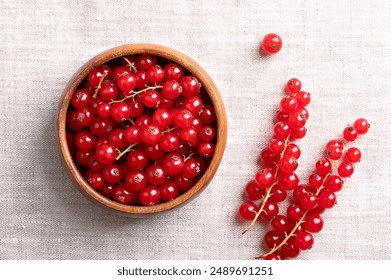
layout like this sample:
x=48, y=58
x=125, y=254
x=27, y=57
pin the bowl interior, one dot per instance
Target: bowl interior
x=191, y=66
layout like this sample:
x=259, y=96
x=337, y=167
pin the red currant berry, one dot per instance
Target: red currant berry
x=271, y=44
x=345, y=169
x=155, y=174
x=276, y=146
x=353, y=155
x=282, y=117
x=81, y=98
x=173, y=164
x=112, y=173
x=273, y=239
x=193, y=104
x=304, y=240
x=294, y=213
x=169, y=142
x=155, y=74
x=108, y=92
x=206, y=149
x=278, y=194
x=104, y=110
x=270, y=210
x=120, y=111
x=151, y=134
x=95, y=180
x=207, y=115
x=267, y=156
x=171, y=89
x=183, y=183
x=85, y=141
x=248, y=210
x=315, y=181
x=281, y=224
x=289, y=249
x=145, y=61
x=334, y=152
x=265, y=178
x=323, y=167
x=297, y=120
x=273, y=257
x=288, y=164
x=334, y=183
x=190, y=86
x=121, y=195
x=154, y=151
x=253, y=191
x=117, y=138
x=293, y=86
x=137, y=159
x=150, y=98
x=135, y=180
x=96, y=75
x=335, y=142
x=288, y=104
x=106, y=153
x=288, y=181
x=298, y=133
x=308, y=201
x=94, y=164
x=127, y=82
x=191, y=168
x=361, y=125
x=303, y=111
x=83, y=158
x=183, y=118
x=132, y=135
x=162, y=118
x=313, y=223
x=190, y=135
x=149, y=196
x=327, y=199
x=299, y=191
x=173, y=71
x=350, y=134
x=168, y=191
x=136, y=107
x=303, y=98
x=293, y=150
x=207, y=133
x=281, y=130
x=107, y=191
x=120, y=71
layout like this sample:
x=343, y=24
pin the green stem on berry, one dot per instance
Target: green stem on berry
x=292, y=233
x=130, y=64
x=125, y=151
x=135, y=93
x=99, y=85
x=268, y=193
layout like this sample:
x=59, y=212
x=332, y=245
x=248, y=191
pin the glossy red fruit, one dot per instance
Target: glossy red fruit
x=106, y=153
x=253, y=191
x=265, y=178
x=304, y=240
x=248, y=210
x=271, y=44
x=293, y=86
x=361, y=125
x=149, y=196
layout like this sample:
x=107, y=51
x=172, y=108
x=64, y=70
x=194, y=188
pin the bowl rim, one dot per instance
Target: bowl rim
x=186, y=62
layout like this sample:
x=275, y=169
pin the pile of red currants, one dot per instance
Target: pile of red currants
x=141, y=129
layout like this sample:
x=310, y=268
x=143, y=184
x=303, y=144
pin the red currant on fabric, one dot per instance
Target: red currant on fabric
x=345, y=169
x=271, y=44
x=264, y=178
x=253, y=191
x=293, y=86
x=350, y=134
x=353, y=155
x=248, y=210
x=304, y=240
x=361, y=125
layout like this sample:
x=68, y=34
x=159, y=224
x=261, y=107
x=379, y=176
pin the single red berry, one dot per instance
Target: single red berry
x=104, y=110
x=190, y=135
x=171, y=89
x=353, y=155
x=334, y=152
x=350, y=134
x=132, y=135
x=183, y=183
x=253, y=191
x=276, y=146
x=345, y=169
x=248, y=210
x=273, y=239
x=173, y=164
x=183, y=118
x=315, y=181
x=299, y=191
x=151, y=134
x=83, y=158
x=327, y=199
x=288, y=181
x=106, y=153
x=313, y=223
x=107, y=191
x=145, y=61
x=120, y=111
x=288, y=104
x=94, y=164
x=173, y=71
x=127, y=82
x=281, y=116
x=122, y=195
x=293, y=150
x=155, y=74
x=85, y=141
x=278, y=194
x=108, y=92
x=304, y=240
x=117, y=138
x=154, y=151
x=361, y=125
x=149, y=196
x=288, y=164
x=162, y=118
x=281, y=224
x=142, y=121
x=191, y=168
x=334, y=183
x=267, y=156
x=335, y=142
x=289, y=249
x=81, y=98
x=137, y=159
x=120, y=71
x=168, y=191
x=294, y=213
x=95, y=180
x=264, y=178
x=303, y=98
x=207, y=133
x=151, y=98
x=303, y=111
x=207, y=115
x=298, y=133
x=323, y=167
x=190, y=86
x=135, y=180
x=271, y=44
x=193, y=104
x=136, y=107
x=297, y=120
x=308, y=201
x=293, y=86
x=281, y=130
x=270, y=210
x=169, y=142
x=112, y=173
x=155, y=174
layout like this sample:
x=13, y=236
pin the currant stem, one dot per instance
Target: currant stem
x=268, y=193
x=170, y=129
x=125, y=151
x=135, y=93
x=130, y=64
x=292, y=233
x=99, y=85
x=188, y=157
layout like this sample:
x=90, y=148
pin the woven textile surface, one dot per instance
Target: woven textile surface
x=341, y=51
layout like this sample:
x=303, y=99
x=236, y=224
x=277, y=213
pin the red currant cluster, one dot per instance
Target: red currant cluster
x=292, y=233
x=141, y=129
x=279, y=159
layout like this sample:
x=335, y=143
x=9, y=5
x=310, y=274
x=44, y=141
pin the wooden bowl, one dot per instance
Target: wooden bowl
x=187, y=63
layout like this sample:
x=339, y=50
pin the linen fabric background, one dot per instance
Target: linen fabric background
x=341, y=51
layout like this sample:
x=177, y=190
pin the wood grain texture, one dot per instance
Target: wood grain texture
x=157, y=50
